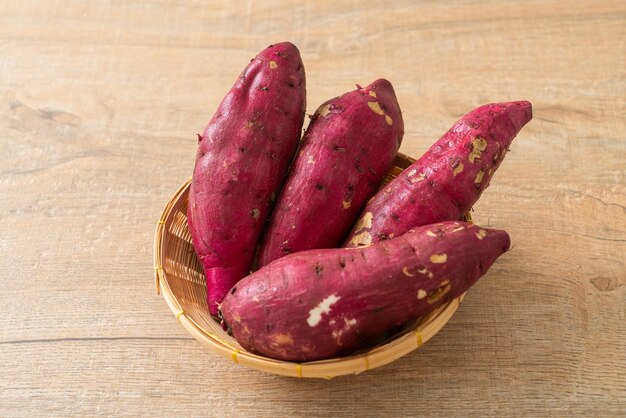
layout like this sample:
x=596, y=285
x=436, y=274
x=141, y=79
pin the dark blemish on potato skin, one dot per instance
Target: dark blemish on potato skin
x=318, y=269
x=291, y=84
x=342, y=262
x=199, y=138
x=320, y=187
x=264, y=88
x=233, y=290
x=245, y=73
x=339, y=149
x=395, y=217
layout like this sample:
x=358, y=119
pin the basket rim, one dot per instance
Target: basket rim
x=375, y=357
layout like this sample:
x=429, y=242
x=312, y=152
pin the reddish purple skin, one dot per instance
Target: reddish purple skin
x=448, y=179
x=243, y=157
x=344, y=156
x=375, y=289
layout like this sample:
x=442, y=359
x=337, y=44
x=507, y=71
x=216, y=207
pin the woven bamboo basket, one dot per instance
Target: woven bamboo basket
x=180, y=280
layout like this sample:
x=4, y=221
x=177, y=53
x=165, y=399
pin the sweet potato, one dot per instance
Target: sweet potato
x=348, y=148
x=319, y=304
x=448, y=179
x=242, y=160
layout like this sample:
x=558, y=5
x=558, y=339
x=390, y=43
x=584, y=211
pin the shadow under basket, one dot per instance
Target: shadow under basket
x=180, y=280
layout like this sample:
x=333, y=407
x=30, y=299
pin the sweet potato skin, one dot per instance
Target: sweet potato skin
x=448, y=179
x=242, y=160
x=349, y=146
x=326, y=303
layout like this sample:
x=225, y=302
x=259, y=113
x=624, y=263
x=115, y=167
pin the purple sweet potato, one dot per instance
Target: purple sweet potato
x=448, y=179
x=326, y=303
x=242, y=161
x=348, y=148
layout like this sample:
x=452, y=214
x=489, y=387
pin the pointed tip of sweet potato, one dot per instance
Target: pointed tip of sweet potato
x=496, y=243
x=380, y=84
x=521, y=112
x=499, y=240
x=383, y=92
x=383, y=88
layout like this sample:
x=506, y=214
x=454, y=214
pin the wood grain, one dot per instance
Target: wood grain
x=99, y=106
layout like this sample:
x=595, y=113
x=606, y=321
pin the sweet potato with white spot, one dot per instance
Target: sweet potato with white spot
x=243, y=157
x=348, y=148
x=448, y=179
x=319, y=304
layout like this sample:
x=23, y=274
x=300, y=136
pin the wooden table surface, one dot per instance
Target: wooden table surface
x=100, y=103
